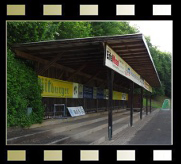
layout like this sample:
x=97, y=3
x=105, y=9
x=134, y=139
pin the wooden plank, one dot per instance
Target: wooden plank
x=48, y=65
x=60, y=76
x=138, y=49
x=128, y=47
x=70, y=49
x=135, y=52
x=43, y=61
x=92, y=77
x=76, y=71
x=29, y=57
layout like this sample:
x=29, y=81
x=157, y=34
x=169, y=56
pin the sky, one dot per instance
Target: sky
x=160, y=33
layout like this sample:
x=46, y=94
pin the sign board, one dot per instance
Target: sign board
x=56, y=88
x=76, y=111
x=106, y=94
x=80, y=91
x=124, y=96
x=116, y=63
x=117, y=95
x=120, y=96
x=100, y=93
x=64, y=89
x=94, y=92
x=88, y=92
x=146, y=85
x=75, y=90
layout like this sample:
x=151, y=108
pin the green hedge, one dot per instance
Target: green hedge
x=23, y=91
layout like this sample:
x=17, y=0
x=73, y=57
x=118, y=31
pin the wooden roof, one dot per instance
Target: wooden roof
x=89, y=53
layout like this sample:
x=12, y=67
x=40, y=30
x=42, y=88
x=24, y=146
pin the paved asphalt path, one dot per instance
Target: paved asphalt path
x=156, y=132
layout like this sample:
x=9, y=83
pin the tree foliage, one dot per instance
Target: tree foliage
x=162, y=61
x=22, y=83
x=23, y=89
x=112, y=28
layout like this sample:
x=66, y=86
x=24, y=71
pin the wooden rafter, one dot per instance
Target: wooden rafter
x=48, y=65
x=89, y=80
x=43, y=61
x=61, y=74
x=76, y=71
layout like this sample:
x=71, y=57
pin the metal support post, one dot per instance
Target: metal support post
x=150, y=102
x=146, y=104
x=96, y=105
x=110, y=105
x=131, y=107
x=141, y=103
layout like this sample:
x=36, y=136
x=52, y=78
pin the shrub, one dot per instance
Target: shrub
x=23, y=91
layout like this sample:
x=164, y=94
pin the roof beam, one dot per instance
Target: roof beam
x=57, y=50
x=85, y=58
x=49, y=64
x=128, y=47
x=135, y=57
x=123, y=45
x=43, y=61
x=61, y=74
x=138, y=63
x=137, y=49
x=80, y=61
x=92, y=77
x=130, y=54
x=76, y=71
x=126, y=43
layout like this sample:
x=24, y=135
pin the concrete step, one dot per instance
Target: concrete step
x=70, y=119
x=34, y=135
x=28, y=132
x=89, y=130
x=101, y=135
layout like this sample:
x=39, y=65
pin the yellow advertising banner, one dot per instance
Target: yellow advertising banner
x=126, y=96
x=117, y=95
x=120, y=96
x=150, y=88
x=56, y=88
x=64, y=89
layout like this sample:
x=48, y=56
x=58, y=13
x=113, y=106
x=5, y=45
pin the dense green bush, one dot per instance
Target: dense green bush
x=23, y=91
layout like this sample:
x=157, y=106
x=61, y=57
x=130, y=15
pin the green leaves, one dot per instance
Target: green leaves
x=23, y=91
x=162, y=61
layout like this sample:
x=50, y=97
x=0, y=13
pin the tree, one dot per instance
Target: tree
x=112, y=28
x=67, y=30
x=162, y=61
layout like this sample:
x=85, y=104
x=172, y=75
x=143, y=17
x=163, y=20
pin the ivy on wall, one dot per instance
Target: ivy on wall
x=23, y=91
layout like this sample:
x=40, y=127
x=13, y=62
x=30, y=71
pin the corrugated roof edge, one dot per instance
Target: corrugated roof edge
x=98, y=38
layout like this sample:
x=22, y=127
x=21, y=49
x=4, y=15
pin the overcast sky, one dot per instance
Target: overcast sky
x=160, y=33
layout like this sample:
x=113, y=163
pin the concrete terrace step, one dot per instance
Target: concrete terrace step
x=83, y=131
x=125, y=135
x=91, y=130
x=70, y=119
x=101, y=135
x=83, y=121
x=27, y=132
x=31, y=135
